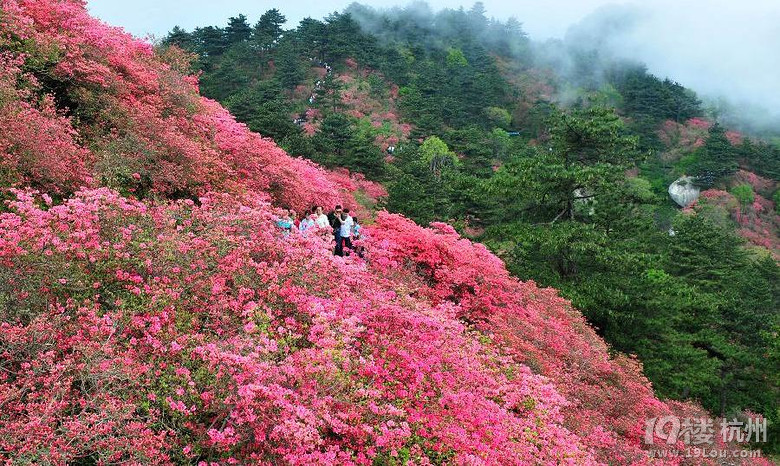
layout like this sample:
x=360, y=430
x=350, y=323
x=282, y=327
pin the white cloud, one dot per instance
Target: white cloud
x=714, y=47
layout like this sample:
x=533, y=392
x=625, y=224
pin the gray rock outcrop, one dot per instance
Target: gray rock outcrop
x=683, y=191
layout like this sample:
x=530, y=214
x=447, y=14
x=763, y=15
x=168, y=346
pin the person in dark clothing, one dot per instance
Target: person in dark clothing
x=332, y=214
x=335, y=218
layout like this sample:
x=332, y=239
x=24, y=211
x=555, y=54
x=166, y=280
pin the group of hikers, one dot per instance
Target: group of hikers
x=345, y=226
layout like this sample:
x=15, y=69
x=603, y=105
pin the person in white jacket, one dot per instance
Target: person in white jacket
x=308, y=222
x=346, y=231
x=322, y=219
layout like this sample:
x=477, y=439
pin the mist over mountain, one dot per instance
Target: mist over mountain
x=725, y=51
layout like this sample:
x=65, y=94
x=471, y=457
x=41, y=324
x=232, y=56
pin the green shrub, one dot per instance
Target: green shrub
x=744, y=194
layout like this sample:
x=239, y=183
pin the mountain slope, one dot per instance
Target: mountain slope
x=556, y=156
x=152, y=312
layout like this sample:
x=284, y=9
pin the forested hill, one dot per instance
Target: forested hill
x=555, y=158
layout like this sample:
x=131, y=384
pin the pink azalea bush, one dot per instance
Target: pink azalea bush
x=153, y=313
x=759, y=184
x=734, y=137
x=699, y=123
x=364, y=194
x=681, y=139
x=534, y=84
x=143, y=117
x=533, y=326
x=758, y=221
x=173, y=332
x=379, y=114
x=37, y=141
x=155, y=333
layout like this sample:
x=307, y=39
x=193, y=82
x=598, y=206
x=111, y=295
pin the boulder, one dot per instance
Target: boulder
x=684, y=191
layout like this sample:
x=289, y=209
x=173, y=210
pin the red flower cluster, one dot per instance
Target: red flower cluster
x=37, y=141
x=757, y=220
x=683, y=138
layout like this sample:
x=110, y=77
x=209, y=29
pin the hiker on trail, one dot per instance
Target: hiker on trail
x=285, y=223
x=309, y=222
x=346, y=230
x=295, y=222
x=321, y=220
x=355, y=228
x=356, y=235
x=335, y=222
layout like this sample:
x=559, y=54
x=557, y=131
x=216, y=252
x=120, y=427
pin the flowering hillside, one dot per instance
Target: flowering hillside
x=152, y=313
x=759, y=222
x=142, y=128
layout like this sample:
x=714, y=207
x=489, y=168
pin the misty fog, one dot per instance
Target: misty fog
x=726, y=52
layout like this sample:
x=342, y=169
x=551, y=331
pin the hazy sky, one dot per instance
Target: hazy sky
x=716, y=47
x=713, y=46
